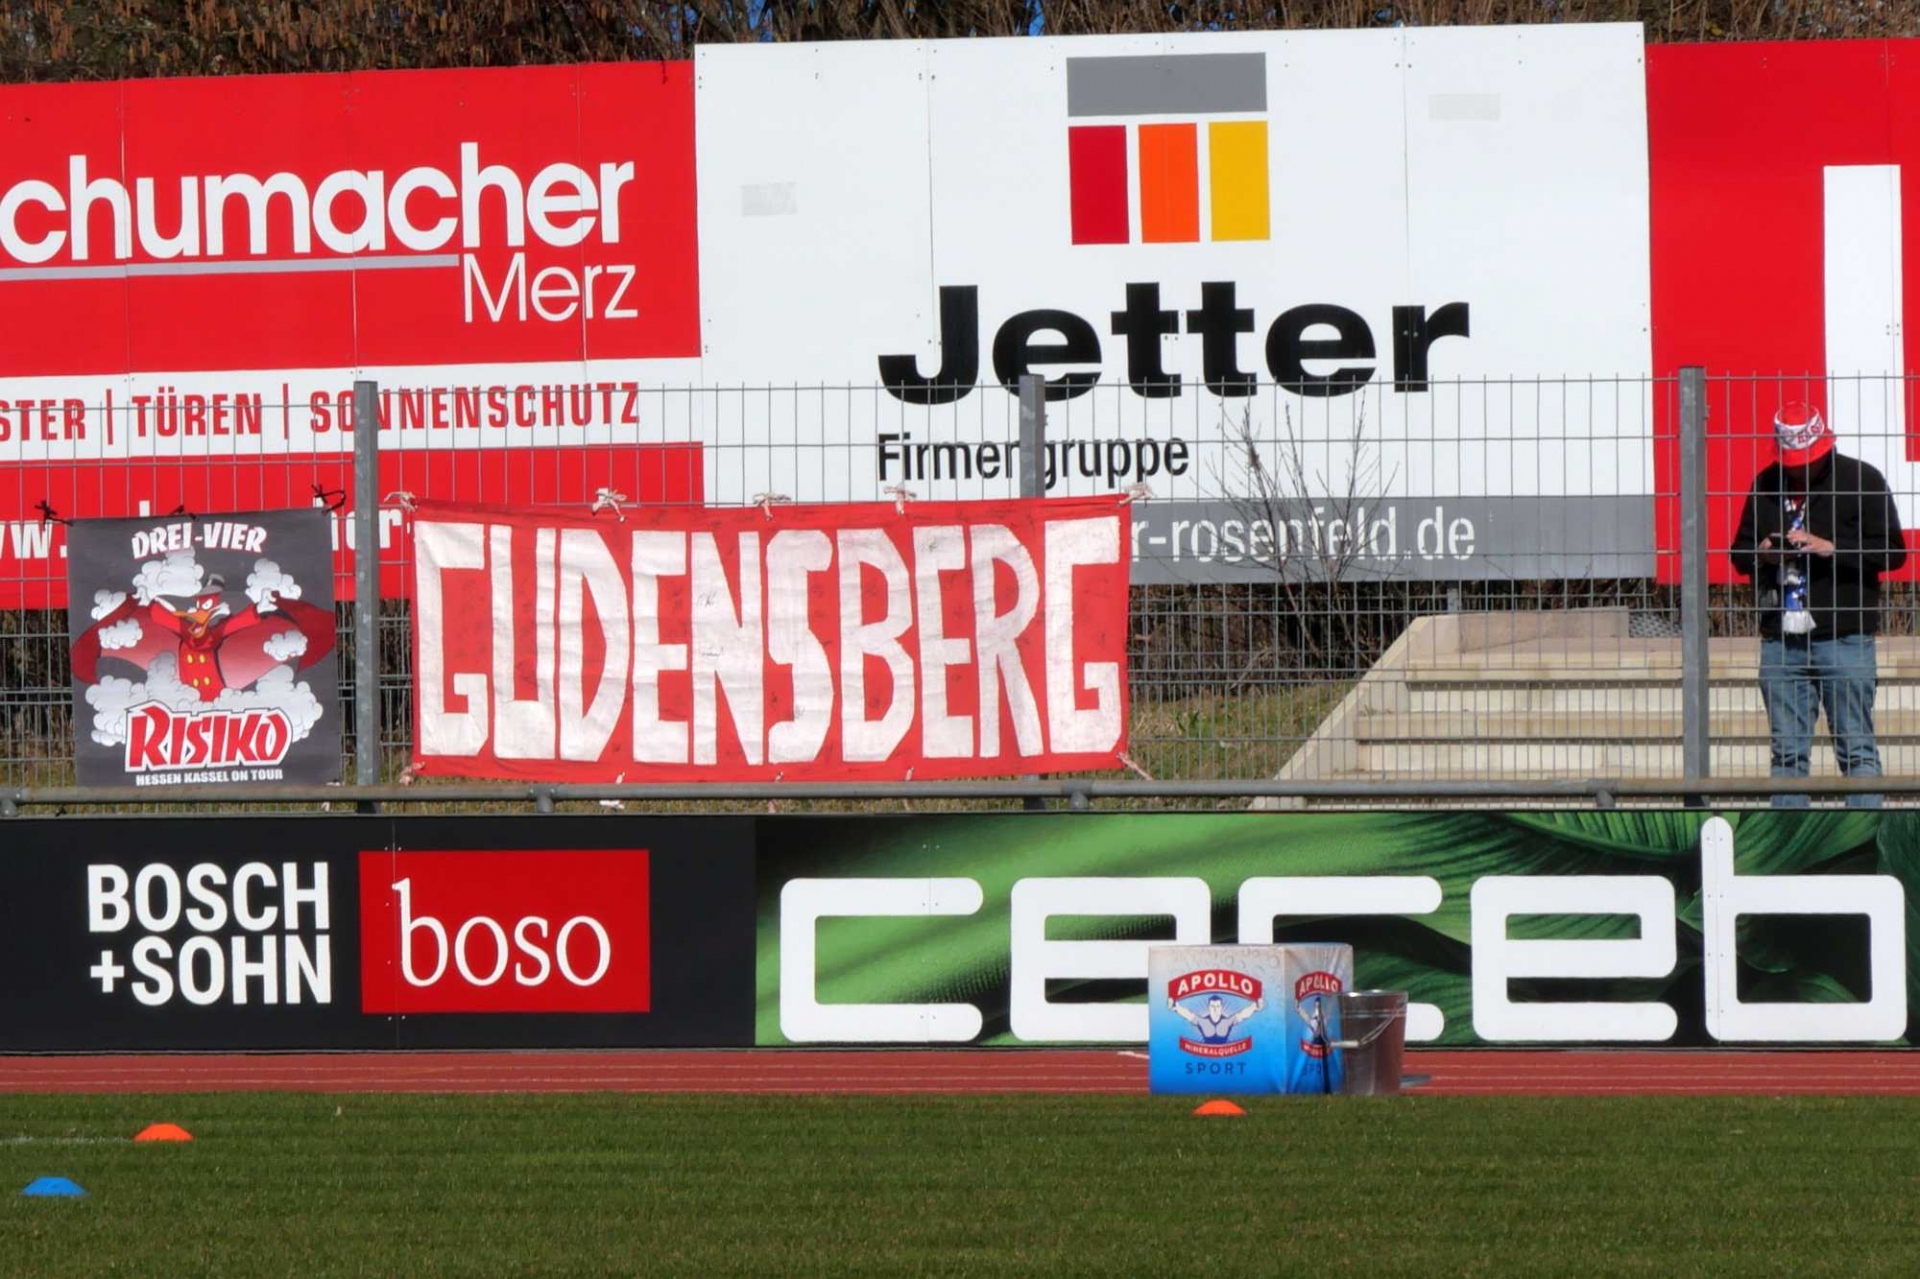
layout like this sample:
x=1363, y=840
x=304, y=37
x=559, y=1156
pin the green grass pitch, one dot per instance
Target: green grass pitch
x=600, y=1184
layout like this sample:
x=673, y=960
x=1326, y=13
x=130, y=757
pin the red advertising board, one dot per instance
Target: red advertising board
x=530, y=931
x=193, y=272
x=350, y=221
x=1779, y=193
x=859, y=641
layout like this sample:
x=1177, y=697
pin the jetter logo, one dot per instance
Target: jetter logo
x=505, y=932
x=1217, y=85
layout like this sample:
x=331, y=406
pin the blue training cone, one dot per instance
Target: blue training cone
x=53, y=1187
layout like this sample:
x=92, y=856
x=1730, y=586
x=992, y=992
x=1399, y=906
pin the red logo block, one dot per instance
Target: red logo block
x=505, y=932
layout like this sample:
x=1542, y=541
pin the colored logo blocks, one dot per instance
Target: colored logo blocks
x=1166, y=156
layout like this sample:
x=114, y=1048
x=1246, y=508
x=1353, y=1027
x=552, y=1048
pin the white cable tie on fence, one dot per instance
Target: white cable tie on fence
x=1128, y=761
x=901, y=495
x=609, y=499
x=400, y=498
x=615, y=804
x=766, y=501
x=1137, y=491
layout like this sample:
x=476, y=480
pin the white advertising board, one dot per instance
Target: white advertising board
x=1406, y=239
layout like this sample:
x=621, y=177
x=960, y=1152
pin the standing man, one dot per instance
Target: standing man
x=1818, y=530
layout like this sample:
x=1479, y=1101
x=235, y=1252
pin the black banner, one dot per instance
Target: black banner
x=348, y=932
x=203, y=650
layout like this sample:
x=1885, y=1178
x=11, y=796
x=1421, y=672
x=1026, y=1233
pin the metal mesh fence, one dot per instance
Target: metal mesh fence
x=1341, y=579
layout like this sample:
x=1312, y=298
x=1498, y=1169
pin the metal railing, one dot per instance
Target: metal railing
x=1344, y=591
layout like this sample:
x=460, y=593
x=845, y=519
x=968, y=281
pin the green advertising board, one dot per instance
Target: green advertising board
x=1525, y=927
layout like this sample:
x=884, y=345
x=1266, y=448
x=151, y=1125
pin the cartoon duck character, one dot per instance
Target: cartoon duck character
x=214, y=647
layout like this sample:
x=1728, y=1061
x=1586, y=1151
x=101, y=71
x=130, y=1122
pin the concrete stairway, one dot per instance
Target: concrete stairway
x=1567, y=695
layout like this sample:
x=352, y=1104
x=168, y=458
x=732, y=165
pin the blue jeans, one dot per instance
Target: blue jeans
x=1799, y=676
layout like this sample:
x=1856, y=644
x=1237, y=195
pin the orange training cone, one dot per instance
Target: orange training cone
x=163, y=1132
x=1218, y=1107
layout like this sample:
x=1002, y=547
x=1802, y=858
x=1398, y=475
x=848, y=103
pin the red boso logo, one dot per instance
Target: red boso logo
x=159, y=740
x=505, y=932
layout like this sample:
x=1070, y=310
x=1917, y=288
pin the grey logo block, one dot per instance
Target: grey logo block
x=1402, y=538
x=1189, y=84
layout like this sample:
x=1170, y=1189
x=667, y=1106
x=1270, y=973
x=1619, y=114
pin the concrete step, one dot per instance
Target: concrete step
x=1570, y=695
x=1477, y=725
x=1585, y=696
x=1364, y=799
x=1662, y=759
x=1613, y=660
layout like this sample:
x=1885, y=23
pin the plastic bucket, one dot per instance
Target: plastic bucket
x=1373, y=1043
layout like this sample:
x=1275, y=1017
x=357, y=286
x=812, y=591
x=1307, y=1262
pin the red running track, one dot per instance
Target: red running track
x=928, y=1072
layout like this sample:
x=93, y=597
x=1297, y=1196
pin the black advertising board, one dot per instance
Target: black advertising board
x=130, y=934
x=86, y=970
x=203, y=650
x=1678, y=929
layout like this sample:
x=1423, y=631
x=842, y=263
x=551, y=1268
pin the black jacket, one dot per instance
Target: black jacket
x=1849, y=505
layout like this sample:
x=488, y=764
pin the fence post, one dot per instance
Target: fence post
x=1033, y=435
x=366, y=583
x=1033, y=477
x=1696, y=713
